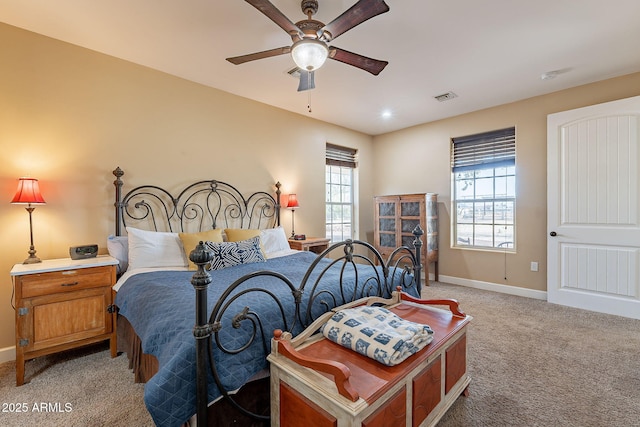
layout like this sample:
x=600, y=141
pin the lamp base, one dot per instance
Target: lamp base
x=33, y=259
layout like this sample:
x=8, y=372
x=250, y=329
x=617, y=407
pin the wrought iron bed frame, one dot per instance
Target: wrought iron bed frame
x=205, y=205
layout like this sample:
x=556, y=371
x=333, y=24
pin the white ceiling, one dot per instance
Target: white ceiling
x=488, y=52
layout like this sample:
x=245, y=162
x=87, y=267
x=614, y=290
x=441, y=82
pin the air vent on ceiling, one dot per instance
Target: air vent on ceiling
x=446, y=96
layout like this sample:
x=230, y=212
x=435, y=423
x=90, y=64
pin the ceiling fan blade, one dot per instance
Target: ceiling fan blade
x=371, y=65
x=307, y=80
x=355, y=15
x=259, y=55
x=273, y=13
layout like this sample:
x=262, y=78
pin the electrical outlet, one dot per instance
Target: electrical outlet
x=534, y=266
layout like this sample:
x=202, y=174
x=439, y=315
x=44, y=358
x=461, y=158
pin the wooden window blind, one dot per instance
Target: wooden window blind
x=485, y=150
x=341, y=156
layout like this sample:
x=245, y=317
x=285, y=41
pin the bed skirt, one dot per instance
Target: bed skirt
x=143, y=365
x=253, y=396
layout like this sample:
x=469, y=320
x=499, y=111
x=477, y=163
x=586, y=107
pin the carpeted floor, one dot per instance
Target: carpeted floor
x=531, y=363
x=538, y=364
x=83, y=387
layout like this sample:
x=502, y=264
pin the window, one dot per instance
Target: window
x=484, y=190
x=340, y=192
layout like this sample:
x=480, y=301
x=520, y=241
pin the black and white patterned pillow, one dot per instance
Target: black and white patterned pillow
x=227, y=254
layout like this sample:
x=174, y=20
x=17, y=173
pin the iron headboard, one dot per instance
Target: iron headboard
x=200, y=206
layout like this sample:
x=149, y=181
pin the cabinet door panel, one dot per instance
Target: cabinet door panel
x=391, y=414
x=456, y=362
x=68, y=317
x=427, y=390
x=296, y=410
x=408, y=241
x=388, y=240
x=81, y=315
x=407, y=225
x=410, y=209
x=387, y=224
x=387, y=209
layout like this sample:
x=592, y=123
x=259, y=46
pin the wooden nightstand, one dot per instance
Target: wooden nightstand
x=62, y=304
x=312, y=244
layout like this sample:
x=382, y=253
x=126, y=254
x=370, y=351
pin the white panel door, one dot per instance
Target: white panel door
x=593, y=245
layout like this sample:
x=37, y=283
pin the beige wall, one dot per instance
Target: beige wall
x=69, y=116
x=425, y=150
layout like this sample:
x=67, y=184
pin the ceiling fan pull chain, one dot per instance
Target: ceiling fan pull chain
x=309, y=100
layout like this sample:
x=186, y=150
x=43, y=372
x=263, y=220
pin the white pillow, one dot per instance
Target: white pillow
x=273, y=240
x=155, y=249
x=118, y=247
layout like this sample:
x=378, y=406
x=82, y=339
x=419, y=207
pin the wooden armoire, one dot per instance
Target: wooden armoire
x=396, y=216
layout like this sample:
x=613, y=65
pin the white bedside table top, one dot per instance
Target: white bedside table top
x=49, y=265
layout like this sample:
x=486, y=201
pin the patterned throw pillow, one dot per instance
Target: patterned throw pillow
x=227, y=254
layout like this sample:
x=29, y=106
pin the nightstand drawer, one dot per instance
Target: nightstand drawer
x=312, y=244
x=65, y=281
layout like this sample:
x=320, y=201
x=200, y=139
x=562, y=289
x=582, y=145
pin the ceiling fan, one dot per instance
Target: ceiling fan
x=310, y=38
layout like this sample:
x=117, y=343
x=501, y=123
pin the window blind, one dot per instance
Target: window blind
x=484, y=150
x=341, y=156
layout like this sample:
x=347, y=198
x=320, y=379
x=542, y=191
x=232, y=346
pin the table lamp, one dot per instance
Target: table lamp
x=29, y=193
x=292, y=204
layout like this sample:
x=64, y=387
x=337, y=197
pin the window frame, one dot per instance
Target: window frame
x=342, y=159
x=489, y=157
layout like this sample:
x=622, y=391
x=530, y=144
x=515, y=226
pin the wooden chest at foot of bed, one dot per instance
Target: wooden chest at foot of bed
x=317, y=382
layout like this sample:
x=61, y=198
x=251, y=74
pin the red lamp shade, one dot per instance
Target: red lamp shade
x=28, y=192
x=292, y=203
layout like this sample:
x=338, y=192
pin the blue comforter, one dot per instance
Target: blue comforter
x=161, y=308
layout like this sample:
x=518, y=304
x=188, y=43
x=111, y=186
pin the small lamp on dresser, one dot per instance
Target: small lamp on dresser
x=29, y=193
x=292, y=204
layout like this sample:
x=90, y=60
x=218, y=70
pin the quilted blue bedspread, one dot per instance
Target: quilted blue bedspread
x=161, y=308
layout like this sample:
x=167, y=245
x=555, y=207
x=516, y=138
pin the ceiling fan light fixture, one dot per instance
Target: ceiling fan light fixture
x=309, y=54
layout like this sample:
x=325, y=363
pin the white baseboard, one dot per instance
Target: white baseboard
x=496, y=287
x=7, y=354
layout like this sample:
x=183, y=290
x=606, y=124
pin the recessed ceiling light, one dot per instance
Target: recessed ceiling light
x=386, y=114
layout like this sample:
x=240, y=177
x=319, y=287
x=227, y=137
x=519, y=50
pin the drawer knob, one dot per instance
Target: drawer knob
x=69, y=284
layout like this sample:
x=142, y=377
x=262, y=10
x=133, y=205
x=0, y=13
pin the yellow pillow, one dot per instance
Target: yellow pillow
x=239, y=234
x=191, y=240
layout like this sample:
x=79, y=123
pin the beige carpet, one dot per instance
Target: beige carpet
x=537, y=364
x=83, y=387
x=531, y=363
